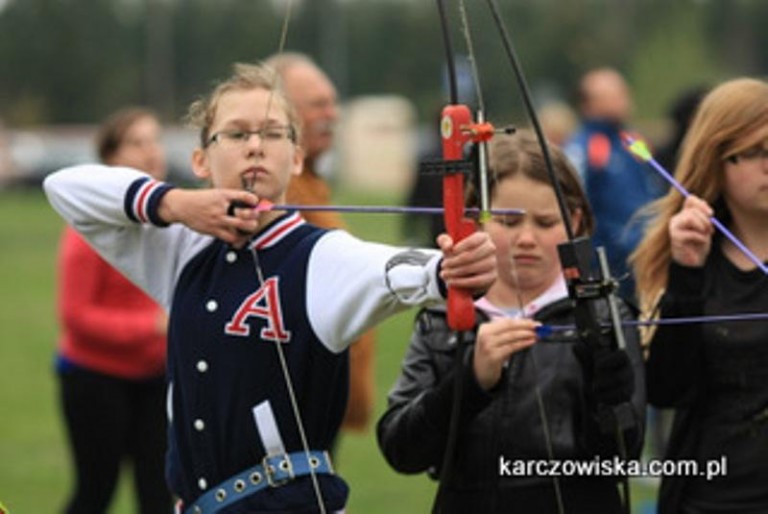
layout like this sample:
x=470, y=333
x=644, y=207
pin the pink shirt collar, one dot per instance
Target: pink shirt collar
x=556, y=291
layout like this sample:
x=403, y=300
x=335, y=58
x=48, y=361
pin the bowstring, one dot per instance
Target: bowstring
x=482, y=156
x=278, y=345
x=485, y=216
x=292, y=397
x=280, y=49
x=466, y=31
x=539, y=396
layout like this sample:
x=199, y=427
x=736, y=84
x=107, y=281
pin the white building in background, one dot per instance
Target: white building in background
x=377, y=145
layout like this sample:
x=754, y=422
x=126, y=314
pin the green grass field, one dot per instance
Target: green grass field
x=34, y=467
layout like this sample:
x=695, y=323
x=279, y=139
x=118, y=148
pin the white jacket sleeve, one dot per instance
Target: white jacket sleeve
x=114, y=209
x=353, y=285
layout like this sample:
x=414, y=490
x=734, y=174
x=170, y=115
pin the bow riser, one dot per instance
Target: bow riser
x=453, y=125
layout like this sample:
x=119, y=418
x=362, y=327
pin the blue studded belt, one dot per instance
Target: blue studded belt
x=273, y=471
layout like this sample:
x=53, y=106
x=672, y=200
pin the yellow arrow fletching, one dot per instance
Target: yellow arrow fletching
x=640, y=149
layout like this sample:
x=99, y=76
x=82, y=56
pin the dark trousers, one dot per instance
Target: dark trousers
x=110, y=420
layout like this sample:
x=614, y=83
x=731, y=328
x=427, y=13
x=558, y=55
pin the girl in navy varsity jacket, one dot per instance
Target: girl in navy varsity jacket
x=253, y=294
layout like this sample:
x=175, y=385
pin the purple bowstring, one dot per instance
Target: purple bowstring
x=545, y=330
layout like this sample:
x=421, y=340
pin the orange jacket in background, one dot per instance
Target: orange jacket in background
x=311, y=189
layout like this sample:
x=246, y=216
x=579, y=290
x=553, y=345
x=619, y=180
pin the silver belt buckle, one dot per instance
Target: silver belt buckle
x=284, y=467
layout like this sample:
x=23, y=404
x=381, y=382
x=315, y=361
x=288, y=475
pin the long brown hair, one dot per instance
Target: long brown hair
x=726, y=118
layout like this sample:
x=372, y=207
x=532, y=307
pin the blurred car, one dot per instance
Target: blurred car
x=34, y=153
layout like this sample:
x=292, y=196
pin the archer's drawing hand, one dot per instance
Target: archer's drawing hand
x=206, y=211
x=497, y=340
x=690, y=233
x=469, y=264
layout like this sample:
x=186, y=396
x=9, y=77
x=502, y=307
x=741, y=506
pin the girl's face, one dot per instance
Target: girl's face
x=235, y=158
x=746, y=181
x=526, y=244
x=141, y=148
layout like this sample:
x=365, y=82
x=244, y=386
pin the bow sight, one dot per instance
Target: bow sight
x=588, y=288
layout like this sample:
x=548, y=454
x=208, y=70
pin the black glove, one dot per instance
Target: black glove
x=613, y=380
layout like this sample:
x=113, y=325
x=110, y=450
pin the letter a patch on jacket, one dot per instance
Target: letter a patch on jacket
x=265, y=304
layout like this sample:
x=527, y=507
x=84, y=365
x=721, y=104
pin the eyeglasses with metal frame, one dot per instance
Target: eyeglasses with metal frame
x=753, y=154
x=268, y=134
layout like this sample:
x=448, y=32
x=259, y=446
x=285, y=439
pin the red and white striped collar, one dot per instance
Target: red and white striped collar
x=277, y=230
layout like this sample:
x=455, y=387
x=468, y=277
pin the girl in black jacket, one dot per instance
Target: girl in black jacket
x=715, y=376
x=526, y=399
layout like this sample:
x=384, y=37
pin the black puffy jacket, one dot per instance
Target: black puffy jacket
x=506, y=424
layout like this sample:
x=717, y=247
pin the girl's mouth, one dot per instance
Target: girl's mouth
x=248, y=178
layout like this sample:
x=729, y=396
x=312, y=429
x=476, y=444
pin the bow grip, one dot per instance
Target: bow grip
x=461, y=309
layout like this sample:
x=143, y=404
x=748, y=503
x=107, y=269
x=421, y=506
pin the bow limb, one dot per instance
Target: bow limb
x=454, y=130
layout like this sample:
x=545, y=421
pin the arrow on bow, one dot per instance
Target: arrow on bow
x=266, y=205
x=640, y=150
x=546, y=330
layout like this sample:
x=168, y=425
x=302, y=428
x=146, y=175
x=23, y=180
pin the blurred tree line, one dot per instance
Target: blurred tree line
x=71, y=61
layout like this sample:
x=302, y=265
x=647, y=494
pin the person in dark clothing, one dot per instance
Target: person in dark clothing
x=680, y=114
x=618, y=185
x=519, y=389
x=715, y=376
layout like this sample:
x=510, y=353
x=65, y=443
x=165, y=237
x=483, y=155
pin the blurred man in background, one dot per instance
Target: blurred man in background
x=617, y=185
x=313, y=95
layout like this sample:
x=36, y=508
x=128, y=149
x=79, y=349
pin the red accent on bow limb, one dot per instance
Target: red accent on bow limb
x=455, y=119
